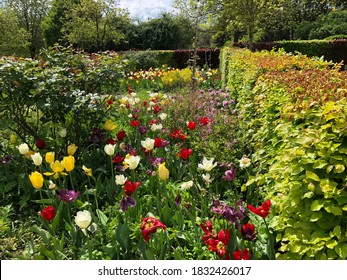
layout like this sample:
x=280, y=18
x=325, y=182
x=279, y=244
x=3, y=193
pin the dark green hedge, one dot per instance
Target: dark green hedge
x=334, y=50
x=176, y=58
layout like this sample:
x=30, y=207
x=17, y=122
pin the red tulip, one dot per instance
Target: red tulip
x=185, y=153
x=48, y=213
x=262, y=210
x=191, y=125
x=130, y=187
x=120, y=135
x=242, y=255
x=40, y=144
x=149, y=226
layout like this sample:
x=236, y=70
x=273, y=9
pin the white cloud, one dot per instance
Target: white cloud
x=144, y=9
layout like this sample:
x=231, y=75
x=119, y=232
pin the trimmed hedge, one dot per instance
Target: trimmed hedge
x=293, y=122
x=177, y=58
x=331, y=50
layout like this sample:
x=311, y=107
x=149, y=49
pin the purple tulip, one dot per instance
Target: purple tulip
x=68, y=195
x=126, y=202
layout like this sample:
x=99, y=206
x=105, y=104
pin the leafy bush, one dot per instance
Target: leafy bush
x=53, y=92
x=292, y=122
x=334, y=37
x=141, y=60
x=144, y=60
x=330, y=50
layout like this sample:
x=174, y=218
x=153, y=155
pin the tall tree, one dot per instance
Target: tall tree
x=163, y=33
x=30, y=14
x=13, y=38
x=53, y=23
x=94, y=24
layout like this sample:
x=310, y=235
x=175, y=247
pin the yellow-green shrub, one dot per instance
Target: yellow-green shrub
x=296, y=131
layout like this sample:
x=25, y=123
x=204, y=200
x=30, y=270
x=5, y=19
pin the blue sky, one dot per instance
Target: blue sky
x=144, y=9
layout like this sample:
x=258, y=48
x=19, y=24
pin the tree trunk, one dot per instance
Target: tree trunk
x=251, y=38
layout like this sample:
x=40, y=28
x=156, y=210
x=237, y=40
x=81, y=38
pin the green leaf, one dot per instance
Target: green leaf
x=319, y=164
x=122, y=236
x=316, y=216
x=308, y=195
x=312, y=176
x=317, y=205
x=341, y=250
x=142, y=247
x=328, y=107
x=343, y=150
x=334, y=210
x=331, y=244
x=327, y=186
x=336, y=232
x=43, y=233
x=44, y=201
x=102, y=217
x=56, y=219
x=181, y=235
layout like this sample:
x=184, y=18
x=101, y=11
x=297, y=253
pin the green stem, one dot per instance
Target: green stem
x=71, y=181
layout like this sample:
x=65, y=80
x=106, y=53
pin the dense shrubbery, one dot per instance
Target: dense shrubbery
x=143, y=60
x=334, y=49
x=293, y=114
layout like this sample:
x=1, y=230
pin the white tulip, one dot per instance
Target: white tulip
x=23, y=148
x=187, y=185
x=120, y=180
x=109, y=149
x=148, y=144
x=163, y=116
x=83, y=219
x=207, y=165
x=155, y=127
x=37, y=159
x=245, y=162
x=132, y=161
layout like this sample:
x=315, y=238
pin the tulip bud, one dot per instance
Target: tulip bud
x=62, y=133
x=13, y=139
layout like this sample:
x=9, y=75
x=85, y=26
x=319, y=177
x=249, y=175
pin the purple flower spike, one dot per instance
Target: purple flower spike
x=68, y=195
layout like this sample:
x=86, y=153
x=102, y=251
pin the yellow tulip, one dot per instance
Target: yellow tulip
x=49, y=157
x=163, y=172
x=36, y=179
x=109, y=125
x=57, y=168
x=71, y=149
x=88, y=171
x=69, y=163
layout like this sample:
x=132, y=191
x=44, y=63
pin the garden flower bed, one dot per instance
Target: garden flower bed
x=95, y=167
